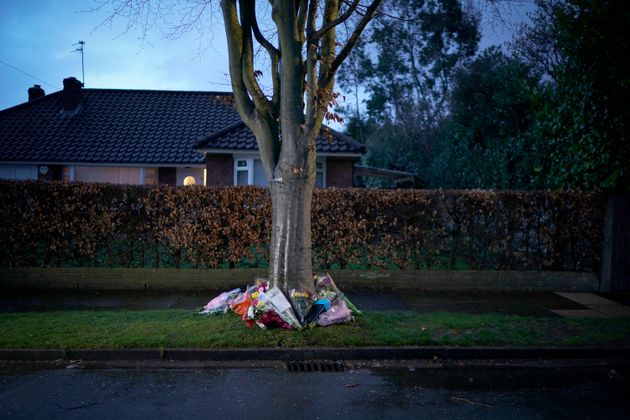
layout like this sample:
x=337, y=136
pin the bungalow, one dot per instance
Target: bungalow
x=145, y=137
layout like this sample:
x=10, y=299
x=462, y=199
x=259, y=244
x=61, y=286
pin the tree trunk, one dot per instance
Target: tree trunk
x=303, y=67
x=290, y=253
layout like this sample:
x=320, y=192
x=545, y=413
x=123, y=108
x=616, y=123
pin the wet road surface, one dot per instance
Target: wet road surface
x=275, y=393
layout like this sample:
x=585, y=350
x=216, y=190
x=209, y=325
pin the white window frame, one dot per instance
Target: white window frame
x=250, y=168
x=322, y=171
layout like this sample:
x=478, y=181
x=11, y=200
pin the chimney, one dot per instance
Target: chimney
x=72, y=96
x=35, y=92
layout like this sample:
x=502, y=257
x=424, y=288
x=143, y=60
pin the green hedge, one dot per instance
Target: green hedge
x=55, y=224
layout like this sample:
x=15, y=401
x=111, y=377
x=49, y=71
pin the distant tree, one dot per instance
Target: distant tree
x=409, y=55
x=492, y=106
x=582, y=133
x=304, y=53
x=404, y=67
x=537, y=43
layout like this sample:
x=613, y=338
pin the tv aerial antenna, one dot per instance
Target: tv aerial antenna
x=79, y=49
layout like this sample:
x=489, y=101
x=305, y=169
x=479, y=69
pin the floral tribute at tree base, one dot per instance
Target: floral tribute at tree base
x=268, y=307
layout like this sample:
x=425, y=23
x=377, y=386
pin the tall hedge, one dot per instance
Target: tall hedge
x=55, y=224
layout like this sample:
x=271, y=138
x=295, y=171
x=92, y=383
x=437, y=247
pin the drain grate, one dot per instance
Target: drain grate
x=308, y=367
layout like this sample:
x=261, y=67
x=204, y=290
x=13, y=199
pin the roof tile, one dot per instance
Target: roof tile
x=132, y=126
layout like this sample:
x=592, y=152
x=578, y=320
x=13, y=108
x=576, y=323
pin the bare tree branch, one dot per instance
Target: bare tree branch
x=324, y=91
x=311, y=68
x=247, y=13
x=274, y=56
x=234, y=33
x=302, y=14
x=334, y=23
x=350, y=43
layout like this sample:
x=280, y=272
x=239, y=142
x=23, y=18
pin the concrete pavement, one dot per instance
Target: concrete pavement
x=596, y=306
x=539, y=304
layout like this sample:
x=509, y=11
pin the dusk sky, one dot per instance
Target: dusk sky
x=38, y=37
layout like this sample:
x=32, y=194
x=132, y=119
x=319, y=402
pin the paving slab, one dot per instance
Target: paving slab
x=597, y=303
x=378, y=301
x=585, y=298
x=612, y=309
x=538, y=304
x=579, y=313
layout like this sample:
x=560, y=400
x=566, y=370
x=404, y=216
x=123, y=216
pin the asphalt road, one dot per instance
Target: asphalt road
x=275, y=393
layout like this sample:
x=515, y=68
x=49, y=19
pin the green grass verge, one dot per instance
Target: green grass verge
x=181, y=329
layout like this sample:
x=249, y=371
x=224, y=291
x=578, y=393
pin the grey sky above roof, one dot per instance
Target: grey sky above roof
x=132, y=127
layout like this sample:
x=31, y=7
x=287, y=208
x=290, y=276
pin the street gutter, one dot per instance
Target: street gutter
x=305, y=354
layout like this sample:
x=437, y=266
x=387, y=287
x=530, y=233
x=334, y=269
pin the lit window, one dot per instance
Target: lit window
x=189, y=180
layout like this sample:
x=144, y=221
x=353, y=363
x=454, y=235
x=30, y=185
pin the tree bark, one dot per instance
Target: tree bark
x=290, y=253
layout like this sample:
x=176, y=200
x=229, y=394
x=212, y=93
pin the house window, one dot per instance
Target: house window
x=260, y=178
x=167, y=176
x=319, y=175
x=150, y=176
x=249, y=172
x=252, y=172
x=241, y=176
x=68, y=174
x=50, y=172
x=21, y=172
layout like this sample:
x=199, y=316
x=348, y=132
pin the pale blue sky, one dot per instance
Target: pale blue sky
x=38, y=36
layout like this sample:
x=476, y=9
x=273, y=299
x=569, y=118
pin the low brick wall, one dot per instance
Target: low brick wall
x=187, y=279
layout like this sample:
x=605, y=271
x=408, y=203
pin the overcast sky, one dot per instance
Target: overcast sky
x=37, y=38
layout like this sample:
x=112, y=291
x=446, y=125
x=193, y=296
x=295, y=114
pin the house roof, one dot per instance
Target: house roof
x=115, y=126
x=238, y=137
x=131, y=127
x=389, y=174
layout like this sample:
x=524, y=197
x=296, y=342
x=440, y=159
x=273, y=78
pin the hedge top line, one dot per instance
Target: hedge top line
x=55, y=224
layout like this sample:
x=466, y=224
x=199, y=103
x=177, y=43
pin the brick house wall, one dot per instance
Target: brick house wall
x=339, y=172
x=219, y=170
